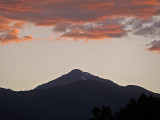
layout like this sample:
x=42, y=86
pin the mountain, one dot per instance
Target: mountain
x=73, y=76
x=70, y=97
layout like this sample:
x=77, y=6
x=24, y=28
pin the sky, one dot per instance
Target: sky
x=41, y=40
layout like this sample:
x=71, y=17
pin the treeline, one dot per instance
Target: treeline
x=144, y=108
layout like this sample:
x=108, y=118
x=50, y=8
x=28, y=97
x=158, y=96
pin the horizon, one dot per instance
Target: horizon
x=116, y=40
x=77, y=70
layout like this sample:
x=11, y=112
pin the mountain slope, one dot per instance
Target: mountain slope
x=72, y=101
x=73, y=76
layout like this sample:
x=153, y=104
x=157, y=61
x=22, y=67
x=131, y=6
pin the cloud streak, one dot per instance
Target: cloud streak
x=95, y=30
x=9, y=31
x=154, y=46
x=12, y=36
x=50, y=12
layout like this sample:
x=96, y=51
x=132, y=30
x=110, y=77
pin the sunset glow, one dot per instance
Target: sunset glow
x=43, y=39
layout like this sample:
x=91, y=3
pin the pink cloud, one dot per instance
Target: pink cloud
x=12, y=36
x=79, y=15
x=9, y=31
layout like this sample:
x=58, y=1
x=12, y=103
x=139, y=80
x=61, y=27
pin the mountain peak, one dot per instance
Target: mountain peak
x=74, y=75
x=76, y=71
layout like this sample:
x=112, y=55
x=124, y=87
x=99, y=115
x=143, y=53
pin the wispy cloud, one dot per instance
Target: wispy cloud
x=154, y=46
x=149, y=28
x=94, y=30
x=12, y=36
x=9, y=31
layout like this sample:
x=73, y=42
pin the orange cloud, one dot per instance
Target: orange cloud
x=11, y=6
x=83, y=16
x=51, y=12
x=146, y=2
x=93, y=6
x=91, y=31
x=9, y=31
x=12, y=36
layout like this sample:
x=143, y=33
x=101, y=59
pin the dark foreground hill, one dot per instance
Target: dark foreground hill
x=70, y=101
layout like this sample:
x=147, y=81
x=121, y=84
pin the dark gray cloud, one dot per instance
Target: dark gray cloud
x=109, y=28
x=154, y=46
x=143, y=27
x=150, y=30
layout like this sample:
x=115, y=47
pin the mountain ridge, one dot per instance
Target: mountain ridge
x=71, y=77
x=71, y=101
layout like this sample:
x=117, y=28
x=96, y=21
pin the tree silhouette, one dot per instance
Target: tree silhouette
x=144, y=108
x=104, y=113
